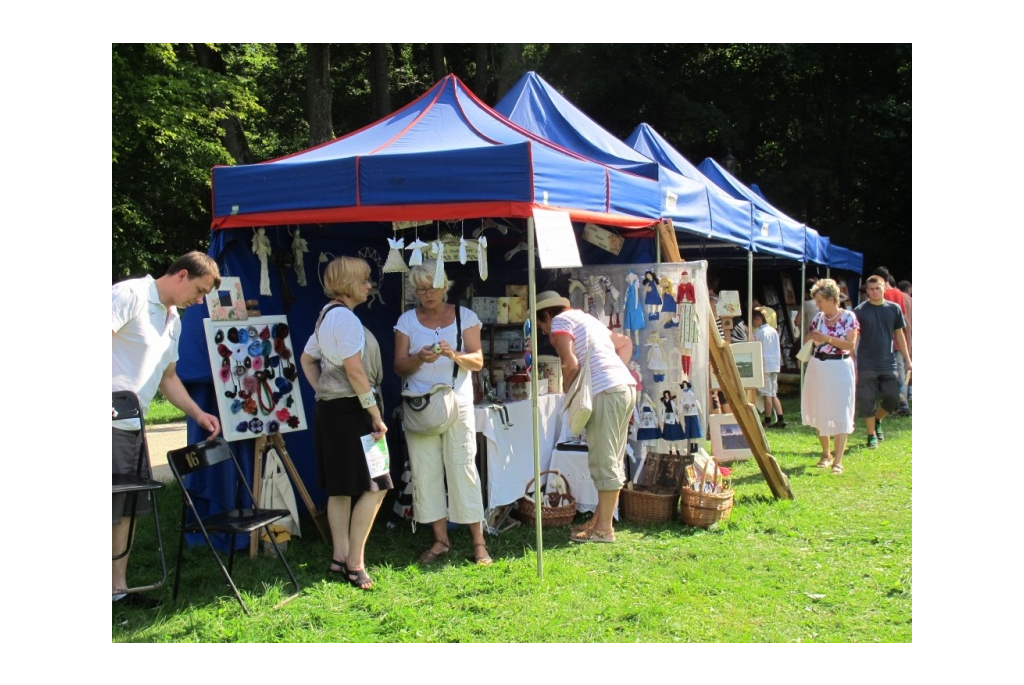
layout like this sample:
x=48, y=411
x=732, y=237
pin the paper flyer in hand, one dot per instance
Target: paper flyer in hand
x=377, y=457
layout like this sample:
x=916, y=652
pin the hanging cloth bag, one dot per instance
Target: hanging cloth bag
x=276, y=493
x=579, y=398
x=435, y=411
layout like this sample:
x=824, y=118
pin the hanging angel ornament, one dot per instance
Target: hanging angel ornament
x=463, y=253
x=438, y=246
x=481, y=256
x=261, y=248
x=417, y=246
x=395, y=263
x=299, y=249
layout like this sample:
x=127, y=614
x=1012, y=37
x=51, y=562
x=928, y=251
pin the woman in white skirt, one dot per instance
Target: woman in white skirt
x=827, y=401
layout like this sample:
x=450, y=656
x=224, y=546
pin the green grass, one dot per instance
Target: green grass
x=831, y=565
x=161, y=411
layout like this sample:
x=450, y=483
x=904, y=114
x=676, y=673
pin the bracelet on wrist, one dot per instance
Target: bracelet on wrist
x=367, y=400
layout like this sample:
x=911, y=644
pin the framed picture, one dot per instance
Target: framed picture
x=787, y=289
x=728, y=304
x=661, y=474
x=749, y=363
x=255, y=377
x=727, y=441
x=226, y=303
x=793, y=327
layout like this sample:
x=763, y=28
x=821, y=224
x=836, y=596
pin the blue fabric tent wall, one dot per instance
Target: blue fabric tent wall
x=536, y=106
x=446, y=155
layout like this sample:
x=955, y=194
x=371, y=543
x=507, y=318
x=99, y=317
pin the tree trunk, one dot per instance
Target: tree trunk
x=234, y=135
x=318, y=93
x=481, y=78
x=379, y=87
x=437, y=63
x=510, y=67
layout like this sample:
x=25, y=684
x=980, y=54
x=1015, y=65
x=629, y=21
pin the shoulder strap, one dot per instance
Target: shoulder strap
x=458, y=341
x=319, y=320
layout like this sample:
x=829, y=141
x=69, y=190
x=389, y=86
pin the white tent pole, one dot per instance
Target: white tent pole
x=538, y=500
x=750, y=295
x=803, y=324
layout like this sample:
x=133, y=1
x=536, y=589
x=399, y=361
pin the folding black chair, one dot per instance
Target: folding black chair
x=125, y=405
x=203, y=455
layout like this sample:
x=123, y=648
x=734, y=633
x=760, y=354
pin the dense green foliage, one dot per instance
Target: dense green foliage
x=823, y=129
x=834, y=564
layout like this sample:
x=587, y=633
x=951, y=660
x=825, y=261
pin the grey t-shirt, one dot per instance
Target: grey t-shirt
x=878, y=324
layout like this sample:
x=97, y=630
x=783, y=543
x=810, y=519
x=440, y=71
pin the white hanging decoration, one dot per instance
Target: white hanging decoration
x=299, y=248
x=417, y=251
x=439, y=270
x=462, y=250
x=481, y=256
x=261, y=248
x=395, y=263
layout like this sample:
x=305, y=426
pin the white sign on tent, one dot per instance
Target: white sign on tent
x=556, y=242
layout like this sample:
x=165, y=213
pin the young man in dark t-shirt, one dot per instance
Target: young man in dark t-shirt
x=881, y=330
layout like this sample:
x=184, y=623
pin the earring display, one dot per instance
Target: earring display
x=255, y=382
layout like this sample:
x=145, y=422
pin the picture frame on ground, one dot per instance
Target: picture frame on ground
x=727, y=440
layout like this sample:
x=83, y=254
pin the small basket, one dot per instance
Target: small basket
x=647, y=507
x=701, y=509
x=551, y=516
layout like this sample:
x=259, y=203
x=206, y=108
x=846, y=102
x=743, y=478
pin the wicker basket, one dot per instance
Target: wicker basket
x=647, y=507
x=702, y=509
x=551, y=516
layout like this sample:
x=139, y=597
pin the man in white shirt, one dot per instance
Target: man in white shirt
x=145, y=327
x=772, y=355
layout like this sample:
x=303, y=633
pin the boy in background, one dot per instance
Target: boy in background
x=771, y=352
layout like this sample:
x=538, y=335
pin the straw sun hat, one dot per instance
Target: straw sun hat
x=550, y=298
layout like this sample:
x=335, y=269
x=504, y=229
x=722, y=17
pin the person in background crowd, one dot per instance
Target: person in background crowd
x=894, y=294
x=425, y=351
x=146, y=327
x=828, y=399
x=339, y=361
x=881, y=325
x=771, y=353
x=907, y=389
x=576, y=335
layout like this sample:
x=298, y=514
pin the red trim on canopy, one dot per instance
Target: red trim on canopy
x=428, y=212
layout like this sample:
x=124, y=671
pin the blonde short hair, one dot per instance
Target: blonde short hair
x=422, y=276
x=344, y=275
x=827, y=288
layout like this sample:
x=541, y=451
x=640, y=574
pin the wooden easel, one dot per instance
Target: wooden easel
x=262, y=444
x=724, y=365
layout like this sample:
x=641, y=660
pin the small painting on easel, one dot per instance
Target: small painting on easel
x=226, y=303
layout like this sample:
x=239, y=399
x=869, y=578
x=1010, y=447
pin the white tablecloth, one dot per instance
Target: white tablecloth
x=573, y=465
x=510, y=451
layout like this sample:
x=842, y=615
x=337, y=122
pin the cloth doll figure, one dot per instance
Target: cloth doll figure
x=417, y=246
x=656, y=358
x=261, y=248
x=647, y=424
x=634, y=371
x=596, y=298
x=671, y=430
x=652, y=297
x=633, y=314
x=686, y=297
x=691, y=414
x=668, y=302
x=299, y=249
x=395, y=263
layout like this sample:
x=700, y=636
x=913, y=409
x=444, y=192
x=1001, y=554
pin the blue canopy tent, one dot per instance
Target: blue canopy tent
x=536, y=106
x=444, y=157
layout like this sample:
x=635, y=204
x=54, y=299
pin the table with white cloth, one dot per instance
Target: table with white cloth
x=575, y=468
x=509, y=459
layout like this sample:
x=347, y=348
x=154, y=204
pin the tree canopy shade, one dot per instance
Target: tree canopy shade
x=446, y=155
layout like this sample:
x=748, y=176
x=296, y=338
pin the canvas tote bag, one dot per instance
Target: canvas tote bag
x=579, y=398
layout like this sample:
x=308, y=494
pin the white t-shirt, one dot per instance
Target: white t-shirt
x=145, y=341
x=440, y=371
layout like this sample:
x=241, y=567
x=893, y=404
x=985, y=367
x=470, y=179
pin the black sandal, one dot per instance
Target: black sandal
x=357, y=578
x=335, y=562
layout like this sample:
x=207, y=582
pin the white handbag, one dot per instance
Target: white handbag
x=276, y=493
x=579, y=398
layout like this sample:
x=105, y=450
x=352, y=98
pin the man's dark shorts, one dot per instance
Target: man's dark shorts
x=875, y=385
x=125, y=448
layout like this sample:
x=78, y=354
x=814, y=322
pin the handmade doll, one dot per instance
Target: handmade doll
x=299, y=249
x=610, y=312
x=656, y=358
x=647, y=431
x=634, y=371
x=691, y=414
x=652, y=297
x=686, y=297
x=668, y=302
x=671, y=430
x=633, y=314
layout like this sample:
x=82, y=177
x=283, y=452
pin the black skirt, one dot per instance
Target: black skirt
x=340, y=462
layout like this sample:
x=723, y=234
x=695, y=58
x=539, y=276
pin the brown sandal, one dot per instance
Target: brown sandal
x=485, y=558
x=430, y=556
x=593, y=535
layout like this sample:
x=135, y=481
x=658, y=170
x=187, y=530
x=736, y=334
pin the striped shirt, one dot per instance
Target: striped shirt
x=606, y=369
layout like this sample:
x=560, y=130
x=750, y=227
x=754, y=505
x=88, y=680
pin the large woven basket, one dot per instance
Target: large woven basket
x=647, y=507
x=701, y=509
x=551, y=516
